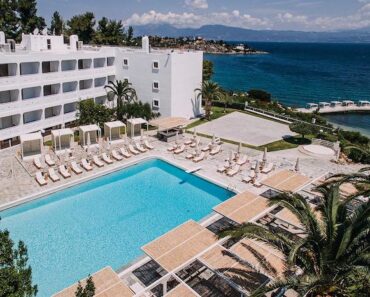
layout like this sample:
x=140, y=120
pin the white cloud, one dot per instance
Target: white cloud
x=199, y=4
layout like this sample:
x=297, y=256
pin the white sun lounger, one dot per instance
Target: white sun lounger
x=215, y=150
x=257, y=184
x=199, y=158
x=172, y=147
x=75, y=168
x=37, y=162
x=97, y=161
x=140, y=148
x=250, y=177
x=124, y=152
x=267, y=168
x=206, y=148
x=234, y=170
x=64, y=171
x=195, y=143
x=49, y=160
x=188, y=141
x=106, y=158
x=86, y=165
x=116, y=155
x=180, y=149
x=190, y=156
x=53, y=176
x=221, y=168
x=133, y=150
x=40, y=179
x=148, y=145
x=242, y=160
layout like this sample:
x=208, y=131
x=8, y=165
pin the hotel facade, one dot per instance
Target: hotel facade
x=43, y=78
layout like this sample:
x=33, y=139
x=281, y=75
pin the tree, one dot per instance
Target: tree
x=208, y=92
x=83, y=26
x=8, y=18
x=88, y=290
x=137, y=109
x=56, y=25
x=335, y=248
x=130, y=35
x=259, y=95
x=15, y=273
x=109, y=32
x=226, y=99
x=207, y=70
x=303, y=128
x=88, y=112
x=28, y=19
x=121, y=91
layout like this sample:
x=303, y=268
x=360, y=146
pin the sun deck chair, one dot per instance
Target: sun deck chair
x=124, y=152
x=242, y=160
x=249, y=178
x=133, y=150
x=215, y=150
x=257, y=184
x=190, y=156
x=106, y=158
x=64, y=171
x=97, y=161
x=267, y=168
x=172, y=147
x=148, y=145
x=180, y=149
x=116, y=155
x=40, y=179
x=75, y=168
x=234, y=170
x=139, y=147
x=195, y=142
x=207, y=147
x=49, y=160
x=53, y=176
x=37, y=162
x=86, y=165
x=222, y=168
x=188, y=141
x=199, y=158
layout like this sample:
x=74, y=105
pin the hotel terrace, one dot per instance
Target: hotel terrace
x=187, y=259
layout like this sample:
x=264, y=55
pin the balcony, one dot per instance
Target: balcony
x=86, y=84
x=102, y=100
x=69, y=65
x=70, y=86
x=10, y=121
x=32, y=116
x=9, y=96
x=70, y=107
x=31, y=93
x=110, y=61
x=49, y=90
x=84, y=64
x=7, y=70
x=100, y=82
x=99, y=62
x=50, y=66
x=51, y=112
x=29, y=68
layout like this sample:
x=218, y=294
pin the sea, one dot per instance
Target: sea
x=299, y=73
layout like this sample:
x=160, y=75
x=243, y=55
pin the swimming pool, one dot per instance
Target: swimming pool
x=105, y=221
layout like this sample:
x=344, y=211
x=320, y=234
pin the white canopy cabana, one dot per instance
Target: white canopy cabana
x=312, y=105
x=112, y=130
x=324, y=104
x=31, y=144
x=134, y=126
x=348, y=102
x=363, y=103
x=335, y=103
x=91, y=133
x=62, y=139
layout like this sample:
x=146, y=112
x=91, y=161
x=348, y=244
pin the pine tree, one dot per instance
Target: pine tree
x=56, y=25
x=90, y=287
x=83, y=26
x=28, y=19
x=130, y=35
x=109, y=32
x=8, y=18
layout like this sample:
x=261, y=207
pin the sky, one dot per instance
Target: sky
x=305, y=15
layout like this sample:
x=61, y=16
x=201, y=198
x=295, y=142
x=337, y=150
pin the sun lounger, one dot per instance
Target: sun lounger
x=215, y=150
x=116, y=155
x=75, y=168
x=206, y=148
x=188, y=141
x=234, y=170
x=49, y=160
x=172, y=147
x=257, y=184
x=190, y=156
x=148, y=145
x=40, y=179
x=133, y=150
x=37, y=162
x=64, y=171
x=180, y=149
x=242, y=160
x=106, y=158
x=53, y=176
x=86, y=165
x=124, y=152
x=267, y=168
x=249, y=178
x=139, y=147
x=199, y=158
x=195, y=143
x=97, y=161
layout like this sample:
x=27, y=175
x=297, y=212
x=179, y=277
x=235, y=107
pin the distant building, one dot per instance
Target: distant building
x=43, y=78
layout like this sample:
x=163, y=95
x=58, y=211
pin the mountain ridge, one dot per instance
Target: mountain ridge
x=227, y=33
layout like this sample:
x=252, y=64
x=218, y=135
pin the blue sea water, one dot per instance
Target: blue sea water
x=104, y=222
x=298, y=73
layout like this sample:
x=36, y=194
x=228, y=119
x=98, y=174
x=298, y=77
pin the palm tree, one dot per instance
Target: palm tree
x=208, y=92
x=122, y=91
x=336, y=246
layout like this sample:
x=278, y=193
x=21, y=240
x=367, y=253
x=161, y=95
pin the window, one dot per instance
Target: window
x=155, y=65
x=125, y=63
x=155, y=103
x=48, y=42
x=155, y=85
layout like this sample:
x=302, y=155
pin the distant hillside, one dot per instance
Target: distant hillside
x=238, y=34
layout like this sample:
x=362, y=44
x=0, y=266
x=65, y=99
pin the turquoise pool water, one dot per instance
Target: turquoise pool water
x=105, y=221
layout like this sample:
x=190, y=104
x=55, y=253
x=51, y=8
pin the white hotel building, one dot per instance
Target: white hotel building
x=42, y=79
